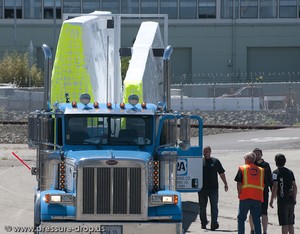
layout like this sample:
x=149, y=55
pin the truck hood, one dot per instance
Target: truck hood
x=109, y=154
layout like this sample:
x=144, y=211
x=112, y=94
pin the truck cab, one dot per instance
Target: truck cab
x=116, y=167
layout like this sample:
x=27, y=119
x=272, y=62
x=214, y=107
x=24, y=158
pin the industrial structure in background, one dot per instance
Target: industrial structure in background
x=110, y=161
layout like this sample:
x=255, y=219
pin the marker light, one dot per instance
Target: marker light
x=109, y=105
x=133, y=99
x=155, y=176
x=47, y=198
x=175, y=199
x=144, y=105
x=74, y=104
x=122, y=105
x=96, y=105
x=85, y=98
x=62, y=175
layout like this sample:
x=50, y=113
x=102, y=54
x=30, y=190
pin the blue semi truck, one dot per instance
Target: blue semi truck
x=113, y=168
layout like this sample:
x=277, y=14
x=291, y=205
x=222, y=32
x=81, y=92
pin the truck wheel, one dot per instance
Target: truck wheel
x=37, y=209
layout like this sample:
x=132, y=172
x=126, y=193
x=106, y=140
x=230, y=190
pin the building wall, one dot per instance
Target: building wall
x=199, y=47
x=225, y=48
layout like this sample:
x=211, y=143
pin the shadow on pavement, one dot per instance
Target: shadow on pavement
x=190, y=213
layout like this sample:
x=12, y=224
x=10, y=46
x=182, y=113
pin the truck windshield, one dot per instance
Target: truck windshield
x=108, y=130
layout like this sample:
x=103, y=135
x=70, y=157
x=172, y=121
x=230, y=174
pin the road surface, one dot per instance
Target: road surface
x=17, y=184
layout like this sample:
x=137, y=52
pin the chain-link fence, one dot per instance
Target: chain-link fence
x=252, y=95
x=249, y=101
x=251, y=77
x=236, y=96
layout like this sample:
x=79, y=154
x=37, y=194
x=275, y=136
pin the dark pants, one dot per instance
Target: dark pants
x=213, y=196
x=255, y=210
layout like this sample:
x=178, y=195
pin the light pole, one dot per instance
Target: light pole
x=15, y=23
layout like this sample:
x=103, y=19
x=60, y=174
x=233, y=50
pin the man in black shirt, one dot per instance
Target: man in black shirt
x=211, y=168
x=285, y=189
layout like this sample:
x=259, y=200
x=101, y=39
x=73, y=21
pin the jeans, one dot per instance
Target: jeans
x=213, y=196
x=255, y=210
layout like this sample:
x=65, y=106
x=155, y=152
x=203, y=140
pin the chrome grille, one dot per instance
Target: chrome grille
x=111, y=190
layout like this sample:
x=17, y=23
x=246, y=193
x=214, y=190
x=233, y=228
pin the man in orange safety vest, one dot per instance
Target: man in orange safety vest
x=250, y=187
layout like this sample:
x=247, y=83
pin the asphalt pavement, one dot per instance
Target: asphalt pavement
x=17, y=184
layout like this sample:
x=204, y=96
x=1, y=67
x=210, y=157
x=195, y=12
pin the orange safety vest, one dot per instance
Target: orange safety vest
x=253, y=182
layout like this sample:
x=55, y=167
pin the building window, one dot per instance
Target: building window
x=71, y=6
x=49, y=6
x=33, y=9
x=226, y=9
x=268, y=9
x=236, y=9
x=249, y=9
x=287, y=8
x=169, y=7
x=229, y=9
x=130, y=7
x=111, y=5
x=207, y=9
x=89, y=6
x=149, y=7
x=1, y=10
x=10, y=6
x=188, y=9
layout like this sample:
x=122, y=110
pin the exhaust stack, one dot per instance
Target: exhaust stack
x=166, y=73
x=47, y=76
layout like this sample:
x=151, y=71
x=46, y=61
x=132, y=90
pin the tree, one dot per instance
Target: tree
x=16, y=68
x=124, y=66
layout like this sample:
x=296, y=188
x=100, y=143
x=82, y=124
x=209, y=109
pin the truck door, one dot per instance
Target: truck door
x=188, y=153
x=189, y=162
x=189, y=172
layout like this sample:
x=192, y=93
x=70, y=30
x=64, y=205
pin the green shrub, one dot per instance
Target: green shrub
x=15, y=68
x=124, y=66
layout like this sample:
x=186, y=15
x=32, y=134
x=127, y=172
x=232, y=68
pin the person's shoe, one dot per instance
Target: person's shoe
x=214, y=226
x=203, y=225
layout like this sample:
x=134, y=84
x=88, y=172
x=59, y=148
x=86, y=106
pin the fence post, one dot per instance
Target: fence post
x=252, y=93
x=214, y=91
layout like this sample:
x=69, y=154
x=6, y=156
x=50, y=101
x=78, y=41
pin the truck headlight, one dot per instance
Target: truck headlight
x=59, y=198
x=159, y=199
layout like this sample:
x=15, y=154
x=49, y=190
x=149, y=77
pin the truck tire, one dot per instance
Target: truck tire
x=37, y=208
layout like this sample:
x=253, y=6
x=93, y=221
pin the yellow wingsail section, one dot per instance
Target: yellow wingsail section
x=69, y=73
x=87, y=60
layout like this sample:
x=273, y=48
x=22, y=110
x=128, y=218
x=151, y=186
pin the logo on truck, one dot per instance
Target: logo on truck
x=182, y=167
x=111, y=162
